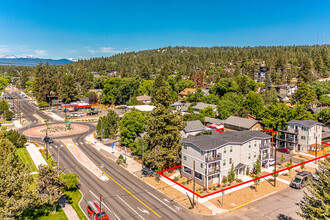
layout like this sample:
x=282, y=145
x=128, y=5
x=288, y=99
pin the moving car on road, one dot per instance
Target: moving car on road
x=284, y=150
x=300, y=180
x=48, y=140
x=93, y=210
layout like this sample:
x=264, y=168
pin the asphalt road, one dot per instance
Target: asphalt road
x=127, y=197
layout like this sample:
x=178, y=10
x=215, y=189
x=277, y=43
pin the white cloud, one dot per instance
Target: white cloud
x=104, y=50
x=39, y=52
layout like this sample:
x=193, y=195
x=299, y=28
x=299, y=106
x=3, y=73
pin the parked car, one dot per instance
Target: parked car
x=48, y=140
x=270, y=162
x=147, y=172
x=284, y=150
x=301, y=179
x=92, y=113
x=93, y=210
x=59, y=108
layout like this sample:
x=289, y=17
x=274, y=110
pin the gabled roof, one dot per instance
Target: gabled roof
x=240, y=122
x=304, y=123
x=186, y=91
x=143, y=98
x=193, y=126
x=214, y=120
x=217, y=140
x=202, y=105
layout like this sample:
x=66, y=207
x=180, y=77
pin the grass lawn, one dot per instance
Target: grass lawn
x=74, y=196
x=44, y=212
x=49, y=160
x=25, y=157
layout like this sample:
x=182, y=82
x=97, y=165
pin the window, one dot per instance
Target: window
x=249, y=144
x=304, y=128
x=231, y=149
x=303, y=137
x=198, y=175
x=187, y=170
x=201, y=165
x=184, y=158
x=224, y=150
x=249, y=156
x=255, y=143
x=224, y=162
x=255, y=154
x=185, y=146
x=230, y=160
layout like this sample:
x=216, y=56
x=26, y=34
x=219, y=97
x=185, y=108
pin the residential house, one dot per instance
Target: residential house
x=214, y=155
x=144, y=99
x=286, y=89
x=202, y=105
x=214, y=123
x=192, y=128
x=283, y=98
x=300, y=135
x=317, y=109
x=234, y=123
x=187, y=91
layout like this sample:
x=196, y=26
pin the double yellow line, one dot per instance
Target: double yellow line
x=130, y=193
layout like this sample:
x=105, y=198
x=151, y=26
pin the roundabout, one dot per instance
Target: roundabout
x=56, y=130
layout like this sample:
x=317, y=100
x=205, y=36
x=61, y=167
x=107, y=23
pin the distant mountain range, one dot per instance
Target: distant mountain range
x=30, y=61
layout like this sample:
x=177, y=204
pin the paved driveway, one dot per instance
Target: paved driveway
x=281, y=206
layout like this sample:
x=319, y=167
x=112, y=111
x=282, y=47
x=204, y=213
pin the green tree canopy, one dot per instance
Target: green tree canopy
x=163, y=138
x=223, y=86
x=270, y=96
x=109, y=123
x=207, y=112
x=304, y=94
x=211, y=99
x=245, y=84
x=254, y=103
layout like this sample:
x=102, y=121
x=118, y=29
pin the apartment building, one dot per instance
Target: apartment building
x=300, y=135
x=215, y=154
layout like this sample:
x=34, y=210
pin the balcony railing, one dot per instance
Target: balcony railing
x=265, y=145
x=211, y=158
x=212, y=171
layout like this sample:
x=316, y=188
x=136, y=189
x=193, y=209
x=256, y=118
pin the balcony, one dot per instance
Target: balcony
x=212, y=159
x=264, y=146
x=212, y=171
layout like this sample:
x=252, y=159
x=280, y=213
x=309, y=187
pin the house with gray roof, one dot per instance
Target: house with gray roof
x=193, y=128
x=215, y=154
x=202, y=105
x=234, y=123
x=301, y=135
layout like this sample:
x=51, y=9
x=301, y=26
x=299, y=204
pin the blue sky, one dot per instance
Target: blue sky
x=84, y=29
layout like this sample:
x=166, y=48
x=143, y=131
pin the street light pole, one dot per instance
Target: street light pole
x=58, y=160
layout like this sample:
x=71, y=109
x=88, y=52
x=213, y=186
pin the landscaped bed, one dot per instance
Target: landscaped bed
x=247, y=194
x=175, y=195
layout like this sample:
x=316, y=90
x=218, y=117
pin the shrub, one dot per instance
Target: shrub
x=214, y=188
x=184, y=183
x=190, y=207
x=239, y=180
x=71, y=180
x=218, y=185
x=176, y=179
x=204, y=189
x=180, y=176
x=120, y=160
x=225, y=180
x=248, y=171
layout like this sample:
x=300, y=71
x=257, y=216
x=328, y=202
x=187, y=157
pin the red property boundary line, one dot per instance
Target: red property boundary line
x=230, y=187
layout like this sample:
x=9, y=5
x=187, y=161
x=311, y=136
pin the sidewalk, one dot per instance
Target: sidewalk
x=83, y=159
x=35, y=155
x=67, y=208
x=132, y=165
x=17, y=124
x=54, y=116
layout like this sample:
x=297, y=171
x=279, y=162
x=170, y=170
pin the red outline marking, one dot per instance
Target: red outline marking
x=270, y=130
x=327, y=144
x=230, y=187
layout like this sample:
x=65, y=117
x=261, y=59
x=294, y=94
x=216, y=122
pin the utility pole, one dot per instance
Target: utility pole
x=100, y=206
x=101, y=129
x=193, y=205
x=275, y=161
x=58, y=160
x=142, y=153
x=316, y=147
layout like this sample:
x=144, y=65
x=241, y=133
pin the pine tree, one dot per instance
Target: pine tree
x=316, y=202
x=163, y=138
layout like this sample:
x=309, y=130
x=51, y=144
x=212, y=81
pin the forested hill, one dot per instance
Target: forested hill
x=186, y=60
x=31, y=61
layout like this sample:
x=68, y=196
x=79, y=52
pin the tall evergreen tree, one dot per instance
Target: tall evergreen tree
x=316, y=202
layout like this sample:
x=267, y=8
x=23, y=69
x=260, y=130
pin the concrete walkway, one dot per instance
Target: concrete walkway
x=67, y=208
x=17, y=124
x=83, y=159
x=35, y=155
x=132, y=165
x=54, y=116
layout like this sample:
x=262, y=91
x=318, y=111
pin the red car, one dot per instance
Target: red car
x=284, y=150
x=93, y=210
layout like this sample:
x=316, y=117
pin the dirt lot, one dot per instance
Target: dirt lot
x=303, y=157
x=291, y=174
x=175, y=195
x=248, y=194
